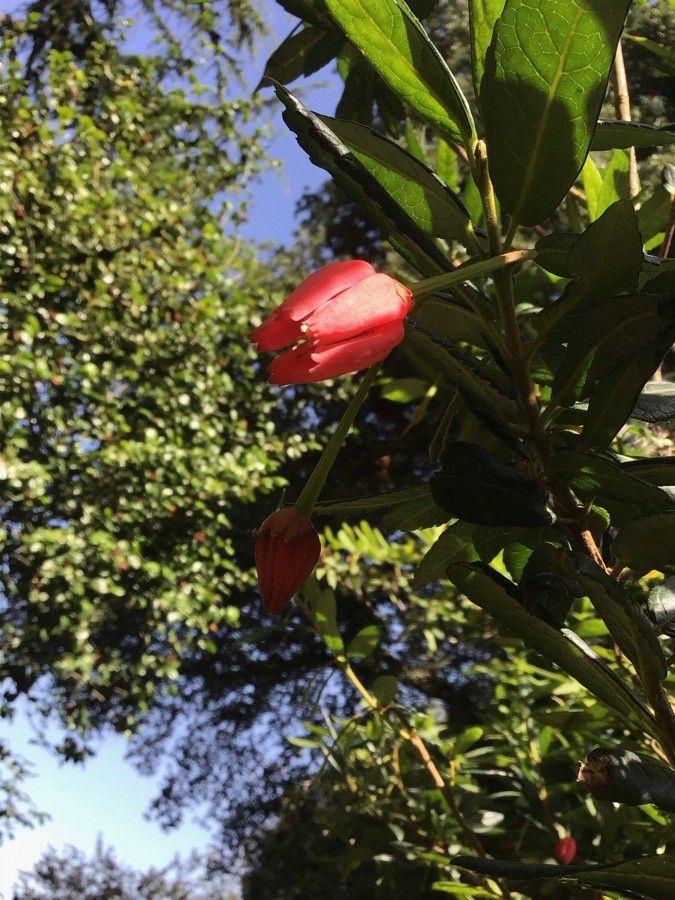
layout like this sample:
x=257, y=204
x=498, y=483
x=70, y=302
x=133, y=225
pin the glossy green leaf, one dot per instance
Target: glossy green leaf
x=394, y=42
x=563, y=648
x=615, y=134
x=414, y=187
x=591, y=180
x=479, y=488
x=328, y=152
x=545, y=78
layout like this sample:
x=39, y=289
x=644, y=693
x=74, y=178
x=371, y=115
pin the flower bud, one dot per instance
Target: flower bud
x=565, y=850
x=287, y=548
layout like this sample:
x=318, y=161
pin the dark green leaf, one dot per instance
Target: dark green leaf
x=647, y=543
x=302, y=53
x=429, y=203
x=479, y=488
x=384, y=689
x=544, y=83
x=622, y=776
x=616, y=134
x=625, y=620
x=593, y=476
x=553, y=251
x=656, y=403
x=325, y=150
x=563, y=648
x=394, y=42
x=606, y=260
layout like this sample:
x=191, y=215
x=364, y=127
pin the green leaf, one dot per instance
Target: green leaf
x=394, y=42
x=656, y=403
x=625, y=620
x=483, y=15
x=622, y=776
x=404, y=390
x=615, y=330
x=563, y=648
x=553, y=252
x=454, y=544
x=545, y=78
x=616, y=394
x=429, y=203
x=592, y=476
x=647, y=543
x=301, y=53
x=661, y=50
x=659, y=470
x=384, y=689
x=653, y=215
x=363, y=643
x=615, y=134
x=421, y=512
x=591, y=180
x=494, y=410
x=606, y=260
x=374, y=504
x=467, y=738
x=447, y=167
x=324, y=612
x=327, y=151
x=615, y=181
x=477, y=487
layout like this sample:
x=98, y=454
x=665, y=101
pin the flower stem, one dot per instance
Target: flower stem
x=469, y=271
x=310, y=493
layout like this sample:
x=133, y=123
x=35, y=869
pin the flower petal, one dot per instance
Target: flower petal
x=373, y=302
x=302, y=365
x=276, y=332
x=323, y=285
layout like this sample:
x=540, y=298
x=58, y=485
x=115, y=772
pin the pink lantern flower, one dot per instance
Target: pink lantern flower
x=343, y=318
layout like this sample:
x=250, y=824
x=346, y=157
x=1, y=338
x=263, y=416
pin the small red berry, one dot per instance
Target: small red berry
x=565, y=850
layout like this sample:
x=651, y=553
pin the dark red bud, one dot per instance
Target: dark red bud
x=287, y=548
x=565, y=850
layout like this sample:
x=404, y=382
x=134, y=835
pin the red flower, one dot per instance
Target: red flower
x=286, y=550
x=343, y=318
x=565, y=850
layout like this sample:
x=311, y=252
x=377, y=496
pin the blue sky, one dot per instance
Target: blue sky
x=107, y=796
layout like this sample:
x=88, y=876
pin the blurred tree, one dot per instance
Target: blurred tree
x=70, y=875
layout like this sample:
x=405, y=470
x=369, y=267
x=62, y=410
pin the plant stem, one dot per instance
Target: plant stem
x=622, y=109
x=470, y=270
x=310, y=493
